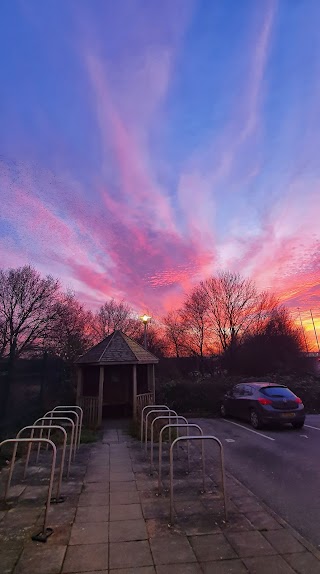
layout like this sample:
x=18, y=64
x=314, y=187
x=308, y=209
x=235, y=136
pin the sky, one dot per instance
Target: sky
x=148, y=144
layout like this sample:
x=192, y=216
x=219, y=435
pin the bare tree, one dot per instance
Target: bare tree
x=194, y=315
x=174, y=333
x=71, y=333
x=233, y=305
x=27, y=306
x=112, y=316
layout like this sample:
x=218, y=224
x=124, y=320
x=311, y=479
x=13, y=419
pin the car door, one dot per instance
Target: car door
x=233, y=402
x=248, y=395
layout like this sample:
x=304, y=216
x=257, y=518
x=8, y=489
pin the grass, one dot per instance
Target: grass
x=89, y=435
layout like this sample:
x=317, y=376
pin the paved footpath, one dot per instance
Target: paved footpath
x=113, y=522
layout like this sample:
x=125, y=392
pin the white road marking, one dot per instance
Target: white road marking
x=250, y=430
x=230, y=440
x=304, y=436
x=310, y=427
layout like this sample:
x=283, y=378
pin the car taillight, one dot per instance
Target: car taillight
x=298, y=400
x=265, y=401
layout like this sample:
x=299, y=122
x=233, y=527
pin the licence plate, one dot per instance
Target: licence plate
x=288, y=415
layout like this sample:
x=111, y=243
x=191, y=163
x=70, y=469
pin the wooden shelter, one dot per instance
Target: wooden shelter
x=115, y=378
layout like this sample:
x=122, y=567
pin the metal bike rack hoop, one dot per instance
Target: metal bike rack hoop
x=50, y=415
x=191, y=438
x=73, y=407
x=43, y=535
x=181, y=425
x=58, y=498
x=162, y=417
x=55, y=419
x=146, y=426
x=142, y=417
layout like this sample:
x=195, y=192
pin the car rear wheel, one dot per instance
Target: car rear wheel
x=223, y=410
x=255, y=420
x=298, y=425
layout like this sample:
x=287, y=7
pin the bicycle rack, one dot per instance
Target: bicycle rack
x=188, y=425
x=43, y=535
x=58, y=498
x=50, y=415
x=142, y=417
x=162, y=417
x=147, y=416
x=202, y=438
x=73, y=407
x=71, y=423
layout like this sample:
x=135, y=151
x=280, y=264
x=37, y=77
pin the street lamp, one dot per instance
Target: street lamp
x=145, y=318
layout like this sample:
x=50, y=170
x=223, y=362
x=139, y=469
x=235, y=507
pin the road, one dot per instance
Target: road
x=281, y=466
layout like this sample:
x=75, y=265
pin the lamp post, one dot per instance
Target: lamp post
x=145, y=318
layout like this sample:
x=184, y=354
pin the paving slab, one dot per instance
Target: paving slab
x=9, y=553
x=130, y=554
x=94, y=499
x=96, y=487
x=250, y=543
x=126, y=486
x=89, y=533
x=139, y=570
x=212, y=547
x=171, y=550
x=38, y=558
x=268, y=564
x=92, y=514
x=261, y=520
x=86, y=557
x=128, y=530
x=190, y=568
x=284, y=542
x=225, y=567
x=303, y=563
x=125, y=512
x=124, y=498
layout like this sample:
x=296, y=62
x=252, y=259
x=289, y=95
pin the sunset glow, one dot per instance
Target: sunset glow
x=147, y=145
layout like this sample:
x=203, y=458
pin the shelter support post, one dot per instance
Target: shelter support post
x=101, y=381
x=135, y=391
x=79, y=384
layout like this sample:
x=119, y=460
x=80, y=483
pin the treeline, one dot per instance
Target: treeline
x=225, y=316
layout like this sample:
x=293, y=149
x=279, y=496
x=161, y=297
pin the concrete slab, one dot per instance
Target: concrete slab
x=142, y=570
x=212, y=547
x=128, y=530
x=92, y=514
x=125, y=512
x=171, y=550
x=130, y=554
x=250, y=543
x=96, y=487
x=124, y=498
x=127, y=486
x=284, y=542
x=156, y=509
x=89, y=533
x=86, y=557
x=94, y=499
x=9, y=553
x=121, y=476
x=267, y=564
x=41, y=559
x=261, y=520
x=224, y=567
x=303, y=563
x=191, y=568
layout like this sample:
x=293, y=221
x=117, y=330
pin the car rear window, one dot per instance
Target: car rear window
x=277, y=392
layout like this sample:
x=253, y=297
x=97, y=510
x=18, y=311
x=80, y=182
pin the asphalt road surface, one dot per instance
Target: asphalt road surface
x=280, y=465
